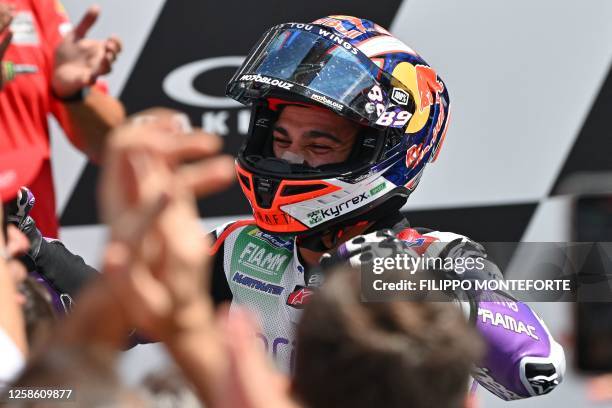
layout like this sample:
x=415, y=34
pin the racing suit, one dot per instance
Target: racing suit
x=264, y=273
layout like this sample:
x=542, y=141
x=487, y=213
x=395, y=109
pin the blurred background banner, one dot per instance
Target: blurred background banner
x=529, y=82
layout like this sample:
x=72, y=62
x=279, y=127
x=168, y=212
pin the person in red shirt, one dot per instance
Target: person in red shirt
x=51, y=67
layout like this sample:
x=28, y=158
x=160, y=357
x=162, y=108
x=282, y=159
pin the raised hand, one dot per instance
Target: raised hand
x=79, y=61
x=157, y=256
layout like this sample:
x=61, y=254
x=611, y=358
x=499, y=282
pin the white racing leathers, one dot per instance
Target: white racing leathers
x=263, y=273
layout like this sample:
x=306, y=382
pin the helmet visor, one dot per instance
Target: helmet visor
x=320, y=66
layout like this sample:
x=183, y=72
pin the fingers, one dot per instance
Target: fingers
x=167, y=133
x=192, y=155
x=177, y=148
x=166, y=120
x=117, y=257
x=147, y=190
x=187, y=159
x=209, y=176
x=193, y=146
x=88, y=20
x=113, y=45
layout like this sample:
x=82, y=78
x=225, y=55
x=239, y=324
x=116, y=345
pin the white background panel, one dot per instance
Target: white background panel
x=522, y=75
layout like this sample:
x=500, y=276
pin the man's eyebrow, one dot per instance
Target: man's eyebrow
x=281, y=130
x=319, y=133
x=312, y=134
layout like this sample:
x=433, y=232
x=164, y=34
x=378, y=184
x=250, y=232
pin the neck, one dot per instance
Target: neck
x=311, y=257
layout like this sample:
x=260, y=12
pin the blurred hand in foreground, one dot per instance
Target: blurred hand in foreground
x=157, y=256
x=158, y=265
x=599, y=388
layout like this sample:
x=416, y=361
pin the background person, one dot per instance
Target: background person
x=50, y=67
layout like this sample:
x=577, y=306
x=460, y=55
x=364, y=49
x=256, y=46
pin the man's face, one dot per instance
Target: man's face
x=318, y=136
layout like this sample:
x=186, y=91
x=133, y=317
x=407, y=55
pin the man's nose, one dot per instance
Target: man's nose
x=293, y=154
x=294, y=148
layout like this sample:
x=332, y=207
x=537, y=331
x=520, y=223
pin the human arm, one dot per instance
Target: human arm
x=65, y=272
x=522, y=359
x=84, y=110
x=68, y=273
x=88, y=121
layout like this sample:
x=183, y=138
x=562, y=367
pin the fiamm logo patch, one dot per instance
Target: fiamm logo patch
x=259, y=258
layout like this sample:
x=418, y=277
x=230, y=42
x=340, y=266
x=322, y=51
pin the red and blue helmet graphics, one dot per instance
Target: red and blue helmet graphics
x=356, y=69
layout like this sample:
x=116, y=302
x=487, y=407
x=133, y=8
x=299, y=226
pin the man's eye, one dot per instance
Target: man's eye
x=320, y=148
x=283, y=142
